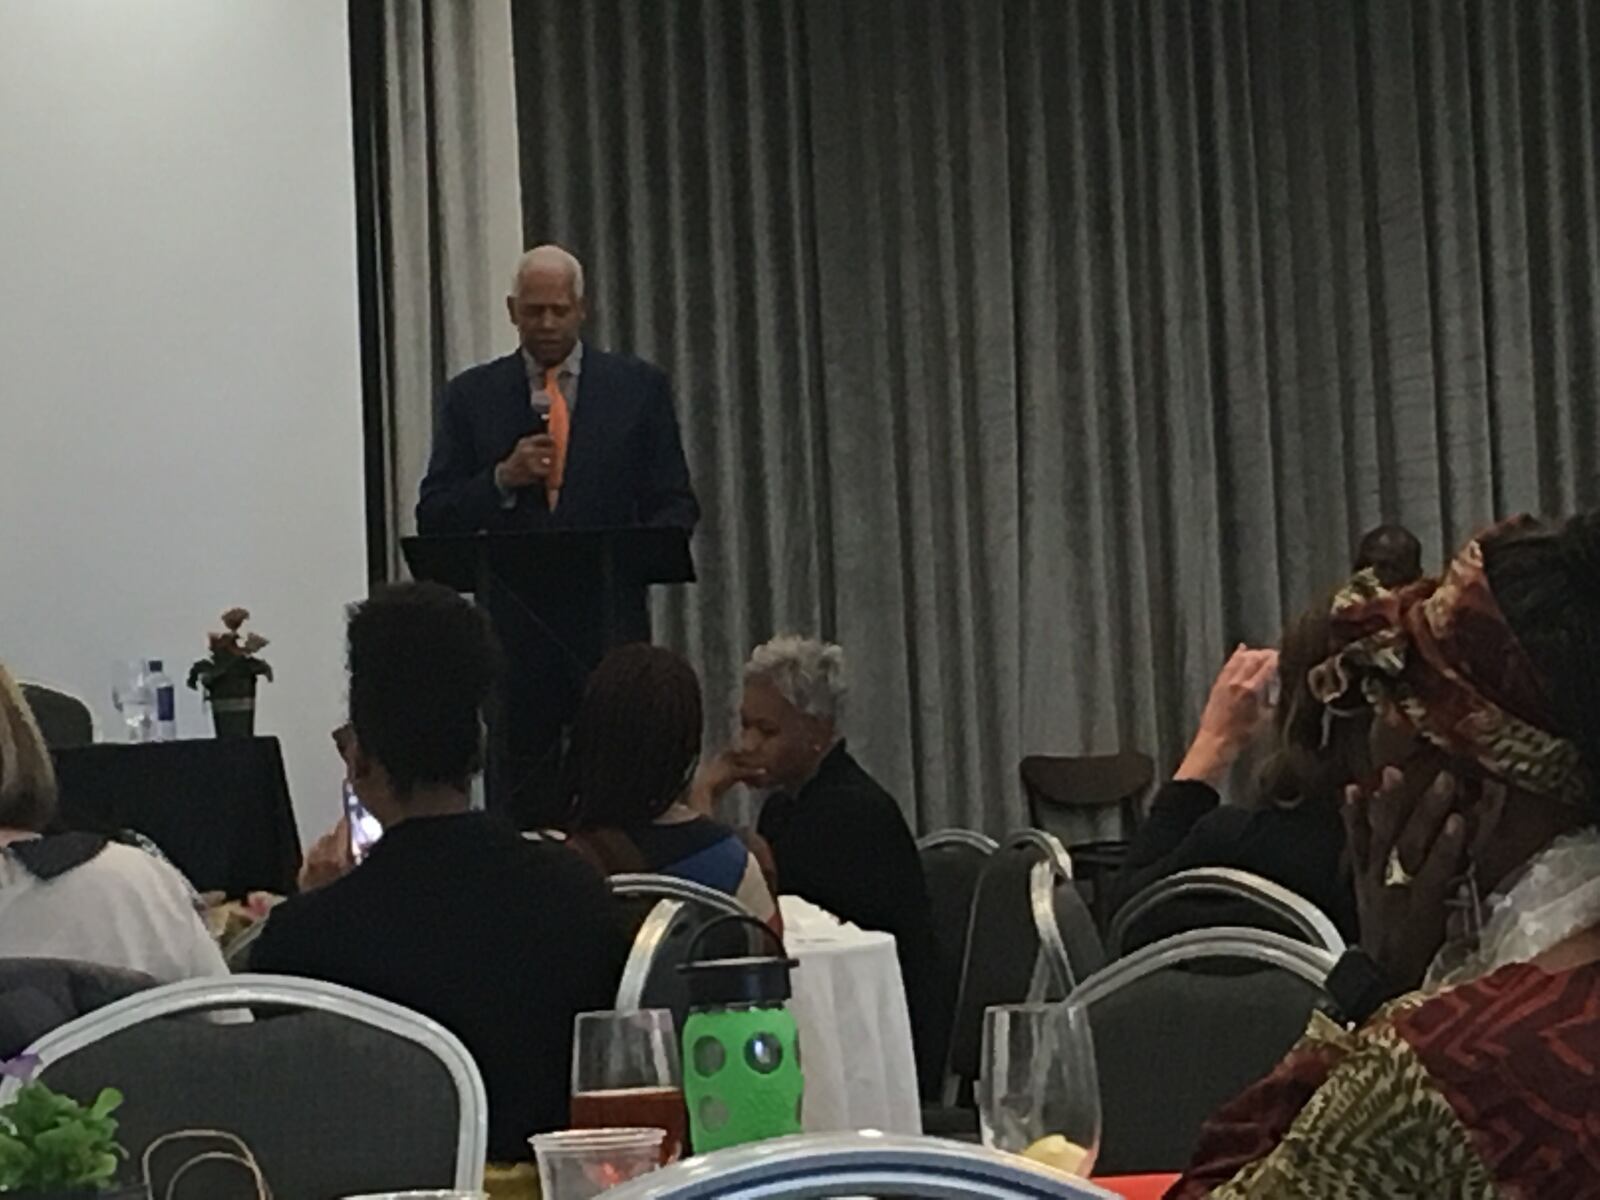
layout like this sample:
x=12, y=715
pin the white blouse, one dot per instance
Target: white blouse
x=122, y=908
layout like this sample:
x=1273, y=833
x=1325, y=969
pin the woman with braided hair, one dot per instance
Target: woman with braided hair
x=630, y=765
x=1467, y=1060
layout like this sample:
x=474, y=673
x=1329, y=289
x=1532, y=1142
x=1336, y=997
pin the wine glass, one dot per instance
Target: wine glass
x=626, y=1073
x=1039, y=1093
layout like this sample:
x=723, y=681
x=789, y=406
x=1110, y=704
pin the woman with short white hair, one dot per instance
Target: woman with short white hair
x=838, y=838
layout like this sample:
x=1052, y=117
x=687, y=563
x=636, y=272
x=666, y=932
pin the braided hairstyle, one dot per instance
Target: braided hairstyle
x=1546, y=579
x=635, y=740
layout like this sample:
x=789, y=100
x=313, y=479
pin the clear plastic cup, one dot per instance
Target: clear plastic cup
x=577, y=1164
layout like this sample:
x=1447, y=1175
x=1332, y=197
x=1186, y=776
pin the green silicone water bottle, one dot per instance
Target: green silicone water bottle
x=741, y=1050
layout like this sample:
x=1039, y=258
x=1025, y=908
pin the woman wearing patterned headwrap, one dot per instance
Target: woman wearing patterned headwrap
x=1468, y=1062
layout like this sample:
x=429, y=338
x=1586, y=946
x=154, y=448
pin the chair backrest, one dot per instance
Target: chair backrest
x=678, y=910
x=1008, y=959
x=1067, y=933
x=342, y=1094
x=1047, y=844
x=64, y=719
x=670, y=887
x=1208, y=897
x=842, y=1164
x=952, y=863
x=1175, y=1037
x=971, y=839
x=41, y=994
x=1086, y=797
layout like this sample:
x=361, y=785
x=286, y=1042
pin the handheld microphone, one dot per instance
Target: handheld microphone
x=541, y=415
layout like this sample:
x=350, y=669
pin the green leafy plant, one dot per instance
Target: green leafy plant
x=233, y=654
x=50, y=1142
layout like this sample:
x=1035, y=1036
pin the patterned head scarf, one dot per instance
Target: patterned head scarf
x=1440, y=650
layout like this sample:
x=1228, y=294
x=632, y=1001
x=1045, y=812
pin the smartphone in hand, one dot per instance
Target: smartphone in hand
x=364, y=827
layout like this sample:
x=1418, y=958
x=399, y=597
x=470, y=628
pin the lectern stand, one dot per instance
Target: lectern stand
x=559, y=599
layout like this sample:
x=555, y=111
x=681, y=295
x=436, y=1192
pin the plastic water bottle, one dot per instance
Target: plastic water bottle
x=136, y=700
x=166, y=702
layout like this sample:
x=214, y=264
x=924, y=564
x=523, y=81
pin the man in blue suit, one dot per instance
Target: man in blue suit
x=558, y=435
x=618, y=462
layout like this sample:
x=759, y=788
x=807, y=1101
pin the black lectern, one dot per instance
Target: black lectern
x=559, y=599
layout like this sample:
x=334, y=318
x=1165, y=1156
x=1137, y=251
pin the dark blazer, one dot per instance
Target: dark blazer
x=1300, y=848
x=843, y=843
x=625, y=464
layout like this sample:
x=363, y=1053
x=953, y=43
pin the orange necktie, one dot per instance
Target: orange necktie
x=560, y=429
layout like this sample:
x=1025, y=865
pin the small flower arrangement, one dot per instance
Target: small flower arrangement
x=50, y=1143
x=233, y=656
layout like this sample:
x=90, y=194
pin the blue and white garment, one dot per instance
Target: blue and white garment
x=696, y=848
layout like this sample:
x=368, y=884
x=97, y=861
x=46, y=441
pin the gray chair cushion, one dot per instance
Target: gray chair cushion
x=1174, y=1046
x=330, y=1107
x=1001, y=952
x=952, y=871
x=1085, y=951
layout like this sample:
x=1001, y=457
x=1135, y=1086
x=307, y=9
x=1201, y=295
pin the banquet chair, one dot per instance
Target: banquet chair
x=1072, y=796
x=678, y=909
x=1066, y=928
x=64, y=719
x=1208, y=897
x=1173, y=1043
x=638, y=892
x=1010, y=953
x=979, y=843
x=952, y=862
x=846, y=1164
x=342, y=1093
x=1090, y=802
x=41, y=994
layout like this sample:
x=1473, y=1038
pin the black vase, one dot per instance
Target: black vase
x=233, y=705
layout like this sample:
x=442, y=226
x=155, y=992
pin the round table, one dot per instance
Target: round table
x=849, y=1005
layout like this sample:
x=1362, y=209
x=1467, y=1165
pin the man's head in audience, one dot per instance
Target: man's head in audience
x=791, y=710
x=1393, y=552
x=546, y=304
x=27, y=778
x=422, y=661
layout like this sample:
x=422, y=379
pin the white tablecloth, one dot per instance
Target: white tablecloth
x=849, y=1005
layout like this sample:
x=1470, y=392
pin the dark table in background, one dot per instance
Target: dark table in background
x=218, y=808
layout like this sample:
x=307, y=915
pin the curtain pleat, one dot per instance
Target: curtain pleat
x=1041, y=350
x=446, y=248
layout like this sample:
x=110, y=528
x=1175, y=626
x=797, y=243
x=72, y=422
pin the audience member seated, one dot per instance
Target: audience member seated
x=838, y=838
x=81, y=896
x=1477, y=863
x=630, y=763
x=1292, y=833
x=501, y=940
x=1392, y=553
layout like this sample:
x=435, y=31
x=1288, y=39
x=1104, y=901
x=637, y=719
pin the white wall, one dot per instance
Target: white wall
x=180, y=415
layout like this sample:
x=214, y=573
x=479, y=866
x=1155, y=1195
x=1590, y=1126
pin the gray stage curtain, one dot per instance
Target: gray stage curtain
x=1040, y=350
x=446, y=194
